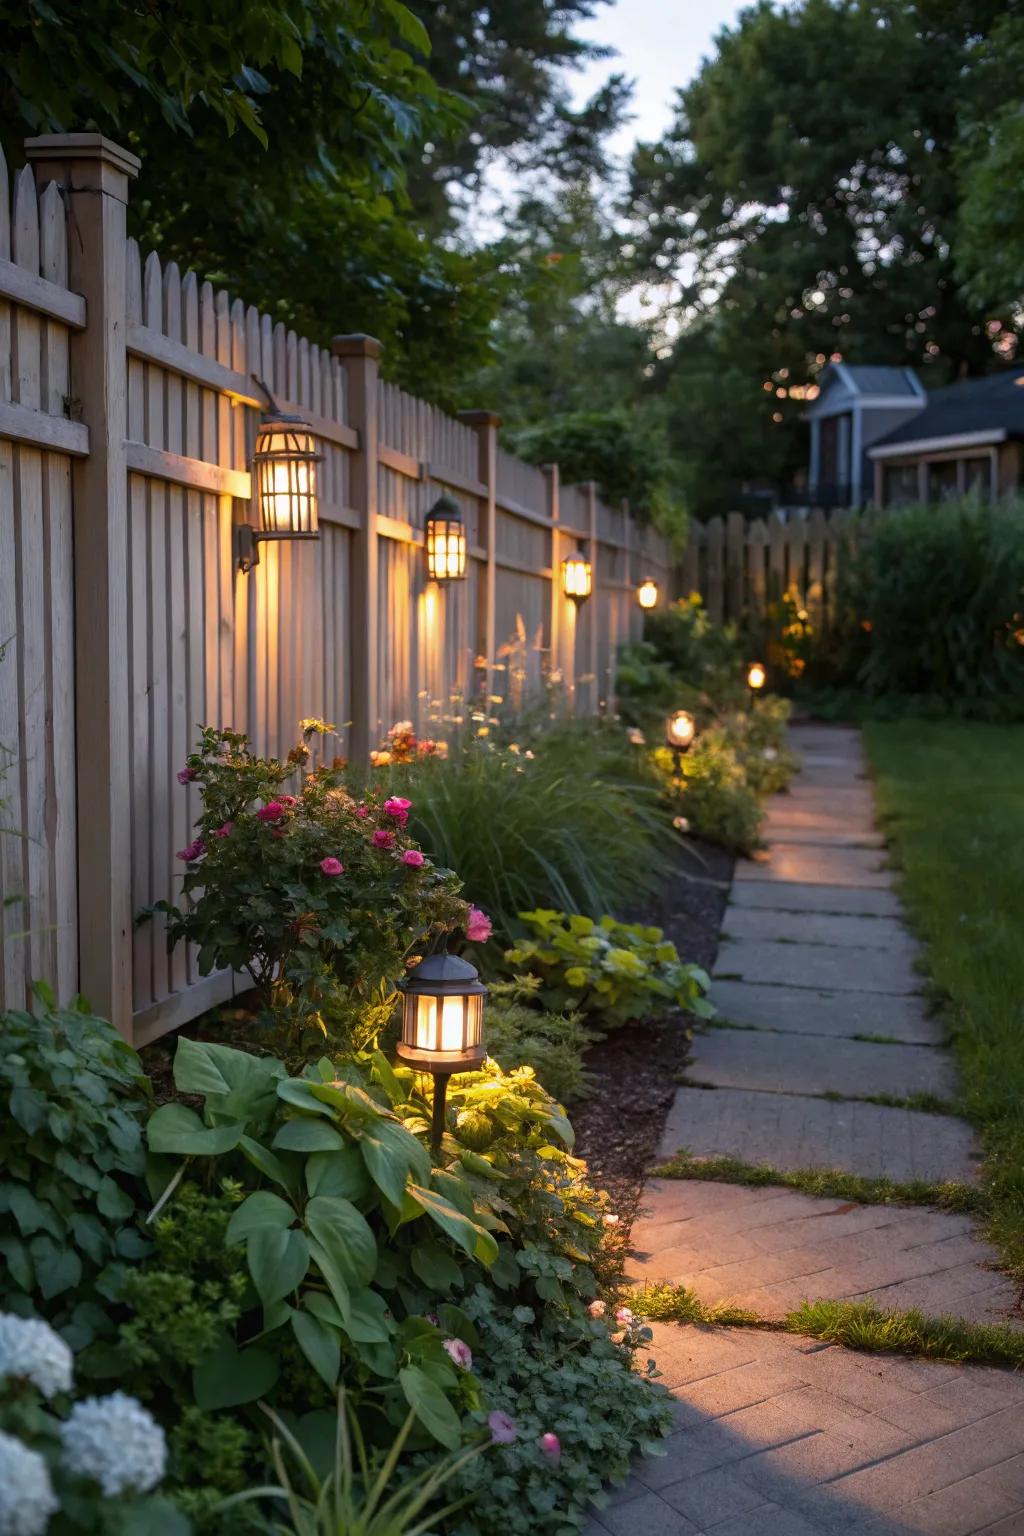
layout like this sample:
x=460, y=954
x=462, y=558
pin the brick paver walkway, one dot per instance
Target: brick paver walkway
x=779, y=1435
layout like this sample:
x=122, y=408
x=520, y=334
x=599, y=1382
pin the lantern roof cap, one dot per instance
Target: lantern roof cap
x=444, y=969
x=445, y=506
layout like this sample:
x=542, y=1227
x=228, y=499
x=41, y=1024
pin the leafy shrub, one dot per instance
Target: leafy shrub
x=930, y=602
x=709, y=787
x=611, y=971
x=86, y=1466
x=573, y=825
x=758, y=738
x=73, y=1098
x=319, y=897
x=646, y=687
x=705, y=655
x=521, y=1035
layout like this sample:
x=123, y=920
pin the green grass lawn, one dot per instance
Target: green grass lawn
x=951, y=795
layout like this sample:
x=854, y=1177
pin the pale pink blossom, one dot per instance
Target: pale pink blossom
x=611, y=1221
x=272, y=811
x=459, y=1353
x=597, y=1309
x=550, y=1448
x=225, y=830
x=412, y=857
x=186, y=775
x=478, y=926
x=625, y=1316
x=503, y=1429
x=332, y=866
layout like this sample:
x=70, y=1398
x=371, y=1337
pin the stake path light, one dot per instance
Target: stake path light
x=442, y=1024
x=647, y=593
x=680, y=729
x=756, y=679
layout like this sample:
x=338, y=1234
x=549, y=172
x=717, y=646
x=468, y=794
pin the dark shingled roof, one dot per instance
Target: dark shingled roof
x=977, y=405
x=875, y=379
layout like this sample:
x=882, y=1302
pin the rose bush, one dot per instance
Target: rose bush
x=320, y=896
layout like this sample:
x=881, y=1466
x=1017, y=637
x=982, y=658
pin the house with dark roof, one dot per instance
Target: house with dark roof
x=966, y=438
x=856, y=406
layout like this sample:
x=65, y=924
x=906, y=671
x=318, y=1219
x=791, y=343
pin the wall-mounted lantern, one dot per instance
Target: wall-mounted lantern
x=756, y=679
x=577, y=577
x=445, y=535
x=442, y=1024
x=284, y=463
x=680, y=729
x=647, y=593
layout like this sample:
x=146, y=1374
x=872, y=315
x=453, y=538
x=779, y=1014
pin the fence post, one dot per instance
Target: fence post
x=94, y=175
x=559, y=660
x=360, y=357
x=735, y=544
x=486, y=424
x=714, y=542
x=592, y=554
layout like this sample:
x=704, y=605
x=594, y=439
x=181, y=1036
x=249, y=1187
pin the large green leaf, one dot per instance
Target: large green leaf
x=299, y=1091
x=341, y=1173
x=326, y=1263
x=177, y=1129
x=319, y=1343
x=308, y=1135
x=393, y=1156
x=431, y=1407
x=261, y=1212
x=345, y=1234
x=228, y=1377
x=434, y=1266
x=368, y=1321
x=471, y=1238
x=278, y=1261
x=271, y=1166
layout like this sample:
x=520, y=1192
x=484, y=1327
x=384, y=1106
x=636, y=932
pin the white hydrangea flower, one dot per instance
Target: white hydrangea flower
x=116, y=1442
x=31, y=1350
x=27, y=1499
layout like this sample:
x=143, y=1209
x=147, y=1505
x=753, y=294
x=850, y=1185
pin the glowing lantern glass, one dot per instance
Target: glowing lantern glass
x=442, y=1024
x=577, y=577
x=445, y=535
x=647, y=594
x=756, y=677
x=284, y=465
x=680, y=729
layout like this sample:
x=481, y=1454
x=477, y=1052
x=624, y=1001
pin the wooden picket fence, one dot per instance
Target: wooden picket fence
x=740, y=566
x=128, y=410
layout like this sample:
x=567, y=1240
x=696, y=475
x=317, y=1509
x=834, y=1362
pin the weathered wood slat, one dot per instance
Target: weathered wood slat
x=37, y=293
x=401, y=463
x=25, y=424
x=195, y=474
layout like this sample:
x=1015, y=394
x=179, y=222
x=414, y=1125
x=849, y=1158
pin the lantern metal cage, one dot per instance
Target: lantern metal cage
x=442, y=1015
x=577, y=577
x=284, y=464
x=647, y=593
x=445, y=537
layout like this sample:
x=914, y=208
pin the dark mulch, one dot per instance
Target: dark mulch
x=618, y=1127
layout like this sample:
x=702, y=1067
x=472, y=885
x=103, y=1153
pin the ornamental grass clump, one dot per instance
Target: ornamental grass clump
x=611, y=972
x=319, y=895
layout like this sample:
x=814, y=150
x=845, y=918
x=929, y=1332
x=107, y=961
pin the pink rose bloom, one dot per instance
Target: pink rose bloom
x=287, y=800
x=503, y=1429
x=398, y=807
x=382, y=839
x=550, y=1448
x=596, y=1309
x=478, y=926
x=186, y=775
x=332, y=866
x=362, y=811
x=460, y=1354
x=192, y=852
x=272, y=811
x=412, y=857
x=225, y=830
x=624, y=1316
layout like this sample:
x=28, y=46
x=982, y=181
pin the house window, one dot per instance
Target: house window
x=977, y=477
x=899, y=484
x=943, y=481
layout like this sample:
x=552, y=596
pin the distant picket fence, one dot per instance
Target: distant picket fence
x=740, y=565
x=128, y=411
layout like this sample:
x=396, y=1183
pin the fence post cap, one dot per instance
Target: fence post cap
x=62, y=147
x=479, y=418
x=356, y=345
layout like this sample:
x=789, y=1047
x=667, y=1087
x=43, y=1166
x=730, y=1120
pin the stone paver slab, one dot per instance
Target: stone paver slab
x=814, y=1011
x=794, y=896
x=805, y=1248
x=805, y=1439
x=838, y=967
x=795, y=1064
x=804, y=865
x=789, y=1131
x=772, y=831
x=846, y=929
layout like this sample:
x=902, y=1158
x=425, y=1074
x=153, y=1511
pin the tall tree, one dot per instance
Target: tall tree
x=805, y=203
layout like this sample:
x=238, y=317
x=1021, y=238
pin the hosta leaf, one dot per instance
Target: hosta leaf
x=278, y=1261
x=175, y=1128
x=320, y=1345
x=228, y=1377
x=431, y=1407
x=262, y=1211
x=341, y=1231
x=467, y=1234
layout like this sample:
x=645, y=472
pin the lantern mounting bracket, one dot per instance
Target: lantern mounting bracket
x=247, y=546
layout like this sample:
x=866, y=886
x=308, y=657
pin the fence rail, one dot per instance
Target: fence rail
x=128, y=410
x=741, y=565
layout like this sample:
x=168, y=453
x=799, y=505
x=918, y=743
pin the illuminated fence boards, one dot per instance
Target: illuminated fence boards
x=134, y=408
